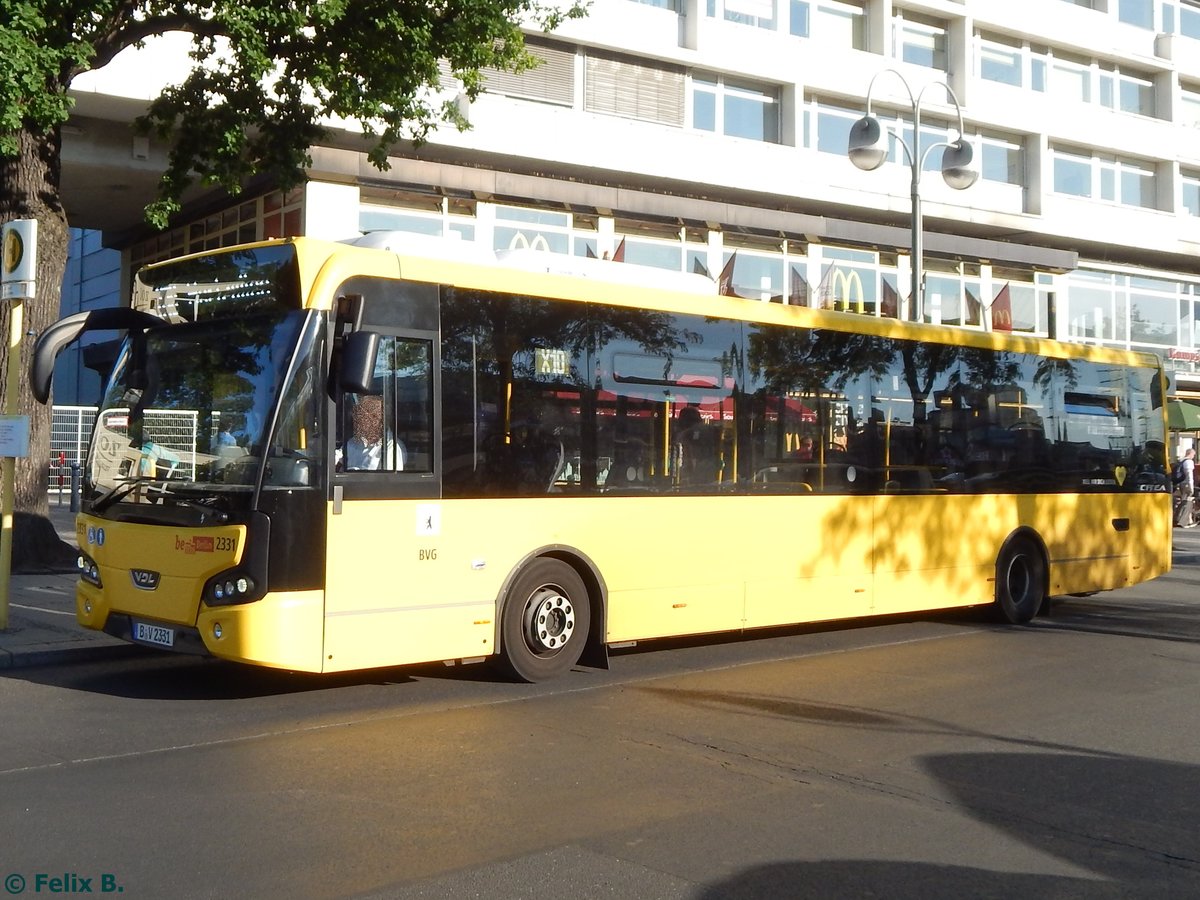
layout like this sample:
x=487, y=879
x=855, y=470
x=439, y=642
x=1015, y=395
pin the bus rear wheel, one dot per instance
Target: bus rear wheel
x=1020, y=581
x=545, y=621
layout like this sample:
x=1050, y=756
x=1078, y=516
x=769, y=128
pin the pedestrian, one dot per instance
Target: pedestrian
x=1185, y=483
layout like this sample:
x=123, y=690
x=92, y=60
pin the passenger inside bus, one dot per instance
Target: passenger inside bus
x=694, y=452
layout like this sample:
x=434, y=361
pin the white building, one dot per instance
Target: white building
x=676, y=132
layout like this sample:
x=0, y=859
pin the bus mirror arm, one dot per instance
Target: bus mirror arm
x=356, y=366
x=51, y=341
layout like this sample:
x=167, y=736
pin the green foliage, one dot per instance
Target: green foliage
x=266, y=74
x=36, y=49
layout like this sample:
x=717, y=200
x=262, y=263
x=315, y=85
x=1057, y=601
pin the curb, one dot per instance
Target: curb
x=28, y=659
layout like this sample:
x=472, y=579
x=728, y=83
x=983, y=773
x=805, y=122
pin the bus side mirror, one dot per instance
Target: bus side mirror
x=356, y=367
x=51, y=341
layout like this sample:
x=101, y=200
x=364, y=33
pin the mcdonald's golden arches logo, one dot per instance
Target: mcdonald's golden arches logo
x=843, y=286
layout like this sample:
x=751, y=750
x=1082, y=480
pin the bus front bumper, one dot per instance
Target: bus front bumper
x=283, y=630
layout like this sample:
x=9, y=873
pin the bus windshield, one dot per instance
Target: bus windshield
x=186, y=412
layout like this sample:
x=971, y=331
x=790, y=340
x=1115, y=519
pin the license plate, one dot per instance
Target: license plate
x=153, y=634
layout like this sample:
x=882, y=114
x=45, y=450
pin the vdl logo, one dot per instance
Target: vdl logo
x=144, y=579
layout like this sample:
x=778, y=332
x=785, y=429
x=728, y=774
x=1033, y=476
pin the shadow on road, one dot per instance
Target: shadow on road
x=1131, y=822
x=162, y=677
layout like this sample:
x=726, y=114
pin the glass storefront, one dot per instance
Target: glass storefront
x=1131, y=309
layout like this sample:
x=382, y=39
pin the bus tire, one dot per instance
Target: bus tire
x=1020, y=581
x=545, y=622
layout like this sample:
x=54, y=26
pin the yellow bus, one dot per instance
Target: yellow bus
x=333, y=456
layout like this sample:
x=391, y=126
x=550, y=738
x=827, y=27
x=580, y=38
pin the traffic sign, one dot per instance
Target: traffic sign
x=18, y=260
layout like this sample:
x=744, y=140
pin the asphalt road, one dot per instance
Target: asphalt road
x=938, y=756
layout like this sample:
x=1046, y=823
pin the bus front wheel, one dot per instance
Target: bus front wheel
x=1020, y=581
x=545, y=621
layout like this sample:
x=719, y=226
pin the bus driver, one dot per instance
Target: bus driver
x=366, y=449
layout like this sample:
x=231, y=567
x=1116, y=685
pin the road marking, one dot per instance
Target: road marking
x=53, y=612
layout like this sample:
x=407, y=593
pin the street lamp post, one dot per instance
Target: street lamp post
x=868, y=149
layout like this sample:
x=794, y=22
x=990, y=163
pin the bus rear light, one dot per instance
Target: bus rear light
x=88, y=570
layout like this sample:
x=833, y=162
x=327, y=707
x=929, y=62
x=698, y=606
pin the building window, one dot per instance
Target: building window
x=551, y=81
x=672, y=5
x=833, y=128
x=1001, y=160
x=757, y=272
x=1189, y=108
x=1026, y=304
x=1089, y=305
x=952, y=296
x=1070, y=80
x=833, y=23
x=273, y=215
x=1127, y=92
x=1072, y=174
x=662, y=247
x=1153, y=311
x=1136, y=12
x=931, y=133
x=1191, y=194
x=1135, y=95
x=636, y=89
x=1128, y=183
x=1001, y=61
x=435, y=217
x=850, y=283
x=522, y=228
x=800, y=18
x=1122, y=181
x=758, y=13
x=1189, y=18
x=735, y=108
x=920, y=41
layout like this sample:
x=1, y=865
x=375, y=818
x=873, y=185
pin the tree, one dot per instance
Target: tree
x=266, y=76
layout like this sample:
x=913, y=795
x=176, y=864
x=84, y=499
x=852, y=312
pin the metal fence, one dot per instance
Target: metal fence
x=71, y=430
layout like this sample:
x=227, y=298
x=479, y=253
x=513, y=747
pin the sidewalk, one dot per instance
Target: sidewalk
x=41, y=615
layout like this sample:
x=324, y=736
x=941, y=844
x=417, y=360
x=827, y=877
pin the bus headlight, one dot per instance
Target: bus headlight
x=229, y=587
x=88, y=570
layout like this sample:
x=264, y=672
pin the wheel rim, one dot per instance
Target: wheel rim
x=1019, y=580
x=549, y=620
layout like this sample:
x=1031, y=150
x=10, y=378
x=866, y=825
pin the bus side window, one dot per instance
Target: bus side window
x=389, y=429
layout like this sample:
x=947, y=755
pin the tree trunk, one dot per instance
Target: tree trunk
x=29, y=189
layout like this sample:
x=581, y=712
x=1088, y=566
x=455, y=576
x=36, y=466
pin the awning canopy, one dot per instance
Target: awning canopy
x=1183, y=415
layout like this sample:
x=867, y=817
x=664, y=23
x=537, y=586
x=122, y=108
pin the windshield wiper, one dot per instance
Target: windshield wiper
x=205, y=510
x=125, y=487
x=116, y=492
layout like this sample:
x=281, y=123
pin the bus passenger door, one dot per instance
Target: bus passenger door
x=383, y=517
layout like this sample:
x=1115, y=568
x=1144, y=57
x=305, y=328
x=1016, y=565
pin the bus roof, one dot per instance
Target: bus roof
x=408, y=244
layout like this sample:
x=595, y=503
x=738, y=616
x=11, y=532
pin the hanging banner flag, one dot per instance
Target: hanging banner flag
x=798, y=289
x=725, y=282
x=890, y=301
x=1002, y=311
x=619, y=253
